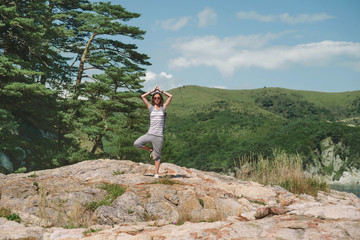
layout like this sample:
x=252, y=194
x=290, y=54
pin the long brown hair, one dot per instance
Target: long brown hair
x=161, y=100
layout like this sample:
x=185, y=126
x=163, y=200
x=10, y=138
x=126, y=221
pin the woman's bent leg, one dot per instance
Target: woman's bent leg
x=157, y=143
x=141, y=141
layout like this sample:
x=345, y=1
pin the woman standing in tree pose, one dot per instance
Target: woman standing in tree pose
x=155, y=134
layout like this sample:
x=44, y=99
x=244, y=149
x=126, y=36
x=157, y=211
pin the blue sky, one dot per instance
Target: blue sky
x=248, y=44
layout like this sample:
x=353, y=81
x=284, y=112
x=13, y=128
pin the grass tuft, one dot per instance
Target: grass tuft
x=118, y=173
x=91, y=230
x=113, y=190
x=166, y=180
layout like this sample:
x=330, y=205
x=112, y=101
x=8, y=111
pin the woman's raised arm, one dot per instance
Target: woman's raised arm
x=143, y=97
x=168, y=100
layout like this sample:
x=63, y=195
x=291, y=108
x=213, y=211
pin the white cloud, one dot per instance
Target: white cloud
x=174, y=24
x=255, y=16
x=164, y=80
x=149, y=76
x=165, y=75
x=220, y=87
x=284, y=17
x=304, y=18
x=229, y=54
x=207, y=17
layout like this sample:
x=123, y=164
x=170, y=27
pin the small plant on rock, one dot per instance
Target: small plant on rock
x=33, y=175
x=201, y=202
x=6, y=213
x=118, y=173
x=91, y=230
x=113, y=191
x=165, y=180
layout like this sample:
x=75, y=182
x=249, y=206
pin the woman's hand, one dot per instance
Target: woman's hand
x=156, y=88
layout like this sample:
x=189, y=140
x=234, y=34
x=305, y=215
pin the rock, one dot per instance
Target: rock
x=61, y=234
x=262, y=212
x=265, y=211
x=5, y=162
x=129, y=203
x=14, y=230
x=126, y=208
x=184, y=204
x=162, y=202
x=330, y=212
x=257, y=193
x=287, y=199
x=249, y=215
x=349, y=177
x=329, y=154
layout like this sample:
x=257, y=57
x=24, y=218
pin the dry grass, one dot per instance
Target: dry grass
x=284, y=170
x=166, y=181
x=186, y=216
x=54, y=213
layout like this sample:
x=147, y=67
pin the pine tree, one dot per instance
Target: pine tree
x=37, y=41
x=109, y=92
x=25, y=57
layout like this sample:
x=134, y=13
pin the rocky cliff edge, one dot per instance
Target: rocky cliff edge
x=71, y=202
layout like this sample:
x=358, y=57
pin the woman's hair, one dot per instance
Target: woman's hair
x=161, y=99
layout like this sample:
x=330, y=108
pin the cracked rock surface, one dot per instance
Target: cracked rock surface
x=183, y=204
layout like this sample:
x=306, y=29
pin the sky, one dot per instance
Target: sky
x=248, y=44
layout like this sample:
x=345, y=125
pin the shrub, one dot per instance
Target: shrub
x=21, y=170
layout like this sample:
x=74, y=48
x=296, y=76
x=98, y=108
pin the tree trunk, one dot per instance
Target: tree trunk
x=82, y=61
x=97, y=143
x=99, y=138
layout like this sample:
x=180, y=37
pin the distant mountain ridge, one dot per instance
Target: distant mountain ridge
x=339, y=103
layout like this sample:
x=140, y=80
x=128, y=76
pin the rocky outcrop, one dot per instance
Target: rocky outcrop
x=330, y=162
x=5, y=162
x=183, y=204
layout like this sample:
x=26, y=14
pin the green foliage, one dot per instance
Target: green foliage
x=201, y=202
x=6, y=213
x=118, y=173
x=91, y=230
x=291, y=106
x=257, y=202
x=21, y=170
x=113, y=191
x=49, y=114
x=209, y=128
x=33, y=175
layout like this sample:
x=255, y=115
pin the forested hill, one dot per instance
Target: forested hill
x=282, y=102
x=211, y=129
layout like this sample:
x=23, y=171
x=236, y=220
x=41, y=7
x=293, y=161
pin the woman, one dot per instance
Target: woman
x=155, y=134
